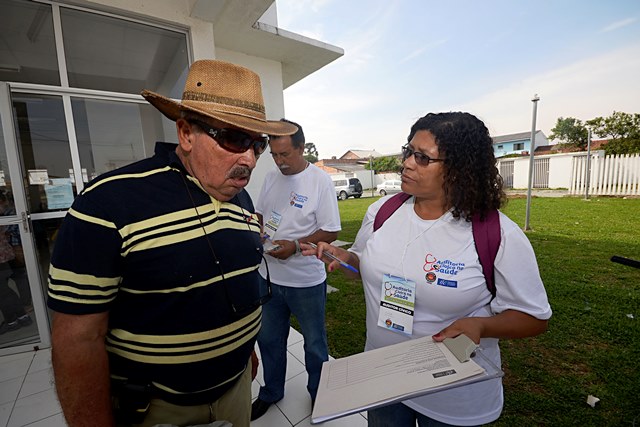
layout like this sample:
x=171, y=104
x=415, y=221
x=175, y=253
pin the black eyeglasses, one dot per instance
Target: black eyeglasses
x=234, y=140
x=421, y=158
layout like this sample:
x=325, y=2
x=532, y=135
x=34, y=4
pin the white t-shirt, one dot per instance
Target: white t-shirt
x=304, y=203
x=440, y=257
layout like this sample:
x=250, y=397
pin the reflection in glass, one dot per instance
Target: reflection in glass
x=121, y=56
x=44, y=145
x=17, y=324
x=113, y=134
x=44, y=234
x=27, y=44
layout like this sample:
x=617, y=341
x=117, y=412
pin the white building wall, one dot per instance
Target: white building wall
x=203, y=47
x=270, y=73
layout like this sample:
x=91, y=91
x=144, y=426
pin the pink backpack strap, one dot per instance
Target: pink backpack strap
x=388, y=208
x=486, y=235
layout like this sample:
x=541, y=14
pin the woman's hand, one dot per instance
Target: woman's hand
x=470, y=326
x=508, y=324
x=332, y=265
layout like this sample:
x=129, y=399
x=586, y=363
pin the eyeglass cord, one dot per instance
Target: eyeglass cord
x=213, y=253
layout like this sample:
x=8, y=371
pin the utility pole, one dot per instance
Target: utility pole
x=373, y=184
x=535, y=100
x=588, y=172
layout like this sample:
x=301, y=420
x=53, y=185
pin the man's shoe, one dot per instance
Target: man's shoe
x=259, y=408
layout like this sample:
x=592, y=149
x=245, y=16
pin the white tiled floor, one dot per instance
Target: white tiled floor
x=27, y=394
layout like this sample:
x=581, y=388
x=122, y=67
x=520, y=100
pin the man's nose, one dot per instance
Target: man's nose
x=248, y=158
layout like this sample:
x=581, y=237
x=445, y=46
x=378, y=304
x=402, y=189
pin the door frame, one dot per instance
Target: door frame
x=23, y=218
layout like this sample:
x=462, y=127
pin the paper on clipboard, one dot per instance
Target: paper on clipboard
x=392, y=374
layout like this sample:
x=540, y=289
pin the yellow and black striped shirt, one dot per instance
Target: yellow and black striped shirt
x=170, y=264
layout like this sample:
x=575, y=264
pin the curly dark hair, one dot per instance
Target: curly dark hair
x=472, y=183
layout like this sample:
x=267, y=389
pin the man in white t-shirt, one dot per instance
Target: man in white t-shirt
x=297, y=204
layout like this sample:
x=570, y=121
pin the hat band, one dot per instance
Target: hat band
x=205, y=97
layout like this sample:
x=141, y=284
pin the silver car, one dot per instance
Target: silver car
x=389, y=187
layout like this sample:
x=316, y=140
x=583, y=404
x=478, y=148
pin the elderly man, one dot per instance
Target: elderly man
x=154, y=277
x=297, y=204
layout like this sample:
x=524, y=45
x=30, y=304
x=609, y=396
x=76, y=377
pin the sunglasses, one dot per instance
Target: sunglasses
x=421, y=158
x=234, y=140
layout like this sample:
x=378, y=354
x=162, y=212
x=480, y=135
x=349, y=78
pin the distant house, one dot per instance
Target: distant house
x=360, y=154
x=350, y=162
x=597, y=144
x=333, y=166
x=517, y=143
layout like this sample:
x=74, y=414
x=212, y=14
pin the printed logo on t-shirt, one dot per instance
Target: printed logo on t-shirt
x=432, y=266
x=297, y=200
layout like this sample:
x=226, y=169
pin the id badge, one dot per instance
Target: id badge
x=271, y=226
x=397, y=304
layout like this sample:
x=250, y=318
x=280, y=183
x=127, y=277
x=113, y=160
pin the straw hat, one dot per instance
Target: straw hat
x=225, y=92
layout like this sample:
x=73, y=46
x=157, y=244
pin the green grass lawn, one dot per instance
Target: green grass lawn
x=592, y=345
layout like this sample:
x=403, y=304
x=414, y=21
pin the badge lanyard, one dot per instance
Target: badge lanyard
x=398, y=294
x=404, y=251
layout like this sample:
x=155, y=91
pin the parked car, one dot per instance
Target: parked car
x=389, y=187
x=346, y=188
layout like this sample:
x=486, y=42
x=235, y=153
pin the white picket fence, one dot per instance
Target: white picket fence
x=615, y=175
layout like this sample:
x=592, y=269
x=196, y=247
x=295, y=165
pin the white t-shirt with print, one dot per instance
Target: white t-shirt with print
x=440, y=257
x=305, y=202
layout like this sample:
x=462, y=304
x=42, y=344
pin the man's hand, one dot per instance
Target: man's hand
x=287, y=249
x=254, y=365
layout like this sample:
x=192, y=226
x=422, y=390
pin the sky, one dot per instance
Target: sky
x=406, y=58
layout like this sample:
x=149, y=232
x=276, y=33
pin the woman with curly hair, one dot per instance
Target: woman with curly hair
x=427, y=246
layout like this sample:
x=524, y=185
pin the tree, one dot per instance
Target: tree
x=310, y=152
x=619, y=125
x=570, y=131
x=622, y=130
x=622, y=146
x=385, y=164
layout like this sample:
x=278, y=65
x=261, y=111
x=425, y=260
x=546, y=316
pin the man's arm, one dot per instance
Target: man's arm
x=81, y=368
x=289, y=246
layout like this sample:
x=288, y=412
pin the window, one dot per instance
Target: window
x=113, y=134
x=44, y=143
x=500, y=147
x=518, y=147
x=27, y=43
x=116, y=55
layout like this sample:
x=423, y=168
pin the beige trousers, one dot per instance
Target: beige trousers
x=234, y=406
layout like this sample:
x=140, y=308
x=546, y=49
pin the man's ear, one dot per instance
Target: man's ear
x=185, y=135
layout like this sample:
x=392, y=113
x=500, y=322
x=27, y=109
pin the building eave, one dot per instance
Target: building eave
x=236, y=27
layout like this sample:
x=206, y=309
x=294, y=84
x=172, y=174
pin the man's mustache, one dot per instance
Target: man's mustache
x=239, y=172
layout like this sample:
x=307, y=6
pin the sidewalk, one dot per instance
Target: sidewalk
x=537, y=192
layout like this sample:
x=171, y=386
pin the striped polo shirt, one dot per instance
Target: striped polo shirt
x=176, y=269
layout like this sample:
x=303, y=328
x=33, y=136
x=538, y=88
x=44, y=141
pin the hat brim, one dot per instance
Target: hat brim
x=171, y=109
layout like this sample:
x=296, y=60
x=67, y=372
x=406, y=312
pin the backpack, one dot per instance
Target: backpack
x=486, y=235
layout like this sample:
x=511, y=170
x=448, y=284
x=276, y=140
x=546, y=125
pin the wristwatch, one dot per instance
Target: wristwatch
x=297, y=243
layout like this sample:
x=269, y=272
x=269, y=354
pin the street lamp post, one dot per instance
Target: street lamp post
x=535, y=100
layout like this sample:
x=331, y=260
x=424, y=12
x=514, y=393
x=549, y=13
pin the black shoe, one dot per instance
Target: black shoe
x=25, y=320
x=259, y=408
x=11, y=326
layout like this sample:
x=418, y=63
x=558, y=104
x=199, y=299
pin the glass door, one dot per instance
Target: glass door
x=23, y=316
